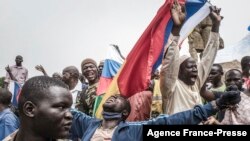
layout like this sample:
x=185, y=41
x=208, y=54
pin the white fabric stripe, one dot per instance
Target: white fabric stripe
x=194, y=20
x=113, y=54
x=12, y=89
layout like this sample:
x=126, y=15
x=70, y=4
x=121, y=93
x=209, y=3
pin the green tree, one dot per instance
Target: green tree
x=2, y=82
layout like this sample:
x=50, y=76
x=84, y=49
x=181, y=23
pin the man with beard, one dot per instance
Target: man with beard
x=117, y=108
x=16, y=73
x=180, y=77
x=90, y=72
x=44, y=106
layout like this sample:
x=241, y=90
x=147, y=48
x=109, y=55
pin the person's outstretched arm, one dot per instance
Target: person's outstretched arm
x=9, y=74
x=41, y=69
x=80, y=123
x=204, y=67
x=199, y=113
x=206, y=94
x=170, y=63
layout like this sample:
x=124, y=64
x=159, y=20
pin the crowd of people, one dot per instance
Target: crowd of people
x=61, y=106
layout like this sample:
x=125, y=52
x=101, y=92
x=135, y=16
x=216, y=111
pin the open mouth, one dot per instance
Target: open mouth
x=90, y=75
x=110, y=100
x=193, y=77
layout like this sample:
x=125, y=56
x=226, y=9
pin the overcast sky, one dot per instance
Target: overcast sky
x=59, y=33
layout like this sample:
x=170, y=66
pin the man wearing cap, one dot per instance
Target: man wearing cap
x=16, y=72
x=90, y=72
x=181, y=78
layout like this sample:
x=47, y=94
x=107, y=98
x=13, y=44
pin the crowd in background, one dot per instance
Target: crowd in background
x=62, y=105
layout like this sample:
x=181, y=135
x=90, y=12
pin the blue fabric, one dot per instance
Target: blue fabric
x=17, y=89
x=192, y=6
x=110, y=68
x=8, y=123
x=111, y=115
x=85, y=126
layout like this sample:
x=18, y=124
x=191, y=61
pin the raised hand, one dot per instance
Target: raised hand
x=178, y=13
x=117, y=48
x=39, y=68
x=7, y=68
x=216, y=18
x=232, y=88
x=228, y=99
x=211, y=121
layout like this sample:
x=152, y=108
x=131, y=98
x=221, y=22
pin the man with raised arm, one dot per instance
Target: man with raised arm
x=181, y=78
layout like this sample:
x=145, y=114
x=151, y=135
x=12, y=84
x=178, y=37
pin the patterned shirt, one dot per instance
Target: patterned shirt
x=89, y=98
x=19, y=72
x=240, y=115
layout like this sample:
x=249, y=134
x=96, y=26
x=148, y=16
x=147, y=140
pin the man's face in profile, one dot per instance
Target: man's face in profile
x=53, y=116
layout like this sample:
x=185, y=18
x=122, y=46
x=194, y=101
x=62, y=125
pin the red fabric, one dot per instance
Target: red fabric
x=140, y=106
x=247, y=83
x=103, y=85
x=136, y=73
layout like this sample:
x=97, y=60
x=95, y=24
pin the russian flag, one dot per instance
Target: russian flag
x=197, y=10
x=15, y=89
x=135, y=73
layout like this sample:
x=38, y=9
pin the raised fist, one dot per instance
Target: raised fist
x=228, y=99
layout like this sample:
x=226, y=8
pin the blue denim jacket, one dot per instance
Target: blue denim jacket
x=8, y=123
x=85, y=126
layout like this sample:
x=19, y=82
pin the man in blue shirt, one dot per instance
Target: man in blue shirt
x=44, y=110
x=8, y=121
x=116, y=109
